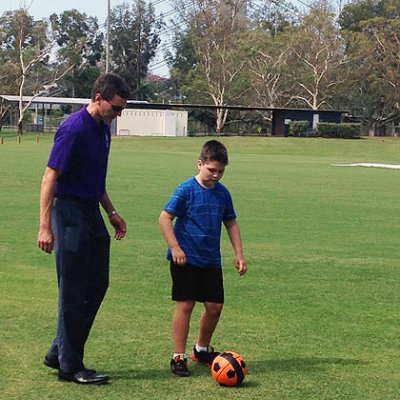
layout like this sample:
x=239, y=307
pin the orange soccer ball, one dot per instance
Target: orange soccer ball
x=229, y=369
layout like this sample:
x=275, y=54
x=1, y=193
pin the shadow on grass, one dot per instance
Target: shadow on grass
x=305, y=365
x=300, y=364
x=196, y=370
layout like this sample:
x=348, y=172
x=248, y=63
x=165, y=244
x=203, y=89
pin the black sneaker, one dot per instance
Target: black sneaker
x=179, y=367
x=204, y=357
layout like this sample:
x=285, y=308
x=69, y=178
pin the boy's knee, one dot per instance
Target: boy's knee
x=214, y=309
x=185, y=307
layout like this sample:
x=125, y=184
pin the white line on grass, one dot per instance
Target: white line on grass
x=373, y=165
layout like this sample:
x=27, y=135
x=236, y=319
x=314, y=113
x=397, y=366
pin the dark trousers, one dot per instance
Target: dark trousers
x=82, y=247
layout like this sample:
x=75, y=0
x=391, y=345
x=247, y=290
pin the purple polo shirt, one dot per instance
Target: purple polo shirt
x=80, y=151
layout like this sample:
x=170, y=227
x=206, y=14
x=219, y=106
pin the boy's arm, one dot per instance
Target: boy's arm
x=233, y=230
x=167, y=229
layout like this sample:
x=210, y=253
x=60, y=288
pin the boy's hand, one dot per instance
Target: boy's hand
x=240, y=265
x=178, y=256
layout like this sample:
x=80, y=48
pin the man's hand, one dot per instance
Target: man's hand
x=119, y=225
x=46, y=240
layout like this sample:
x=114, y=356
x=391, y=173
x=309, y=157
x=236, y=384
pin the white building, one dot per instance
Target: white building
x=152, y=122
x=145, y=121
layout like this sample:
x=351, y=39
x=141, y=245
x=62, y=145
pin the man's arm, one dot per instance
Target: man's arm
x=45, y=235
x=233, y=230
x=115, y=219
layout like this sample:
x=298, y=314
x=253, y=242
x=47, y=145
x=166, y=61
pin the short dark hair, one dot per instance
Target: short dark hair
x=213, y=150
x=110, y=85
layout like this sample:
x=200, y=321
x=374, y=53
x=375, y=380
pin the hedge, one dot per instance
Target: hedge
x=298, y=128
x=342, y=131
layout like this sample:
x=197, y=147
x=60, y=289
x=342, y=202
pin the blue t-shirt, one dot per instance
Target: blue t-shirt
x=200, y=213
x=80, y=151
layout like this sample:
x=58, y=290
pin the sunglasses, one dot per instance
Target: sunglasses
x=116, y=109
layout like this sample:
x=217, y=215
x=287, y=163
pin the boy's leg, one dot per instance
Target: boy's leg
x=202, y=351
x=180, y=332
x=208, y=323
x=181, y=324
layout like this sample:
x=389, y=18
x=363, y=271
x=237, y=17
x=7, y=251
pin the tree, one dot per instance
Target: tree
x=8, y=77
x=215, y=29
x=269, y=47
x=28, y=49
x=135, y=36
x=266, y=63
x=274, y=17
x=80, y=45
x=182, y=62
x=354, y=13
x=317, y=55
x=371, y=29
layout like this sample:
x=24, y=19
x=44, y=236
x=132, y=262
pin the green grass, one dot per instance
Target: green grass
x=316, y=317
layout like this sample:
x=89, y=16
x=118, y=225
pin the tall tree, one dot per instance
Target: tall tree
x=29, y=49
x=8, y=76
x=269, y=47
x=135, y=36
x=356, y=12
x=267, y=62
x=273, y=17
x=317, y=55
x=372, y=32
x=80, y=45
x=215, y=29
x=181, y=62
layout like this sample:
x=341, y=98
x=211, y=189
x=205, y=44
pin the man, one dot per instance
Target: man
x=73, y=185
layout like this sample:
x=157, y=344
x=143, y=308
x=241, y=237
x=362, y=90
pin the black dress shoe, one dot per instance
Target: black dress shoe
x=51, y=361
x=83, y=377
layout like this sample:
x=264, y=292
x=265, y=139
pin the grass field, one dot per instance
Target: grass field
x=316, y=317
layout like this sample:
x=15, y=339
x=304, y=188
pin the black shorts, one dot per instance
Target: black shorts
x=199, y=284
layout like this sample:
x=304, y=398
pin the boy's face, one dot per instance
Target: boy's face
x=209, y=173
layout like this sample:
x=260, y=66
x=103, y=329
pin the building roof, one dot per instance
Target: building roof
x=54, y=100
x=160, y=106
x=45, y=100
x=155, y=78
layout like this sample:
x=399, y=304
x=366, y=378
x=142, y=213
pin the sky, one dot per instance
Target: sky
x=44, y=8
x=96, y=8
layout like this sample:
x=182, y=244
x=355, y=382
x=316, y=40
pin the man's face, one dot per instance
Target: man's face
x=210, y=172
x=110, y=109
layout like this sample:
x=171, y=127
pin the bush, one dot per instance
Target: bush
x=342, y=131
x=28, y=116
x=298, y=128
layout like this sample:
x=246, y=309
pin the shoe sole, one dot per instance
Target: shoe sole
x=83, y=383
x=179, y=376
x=100, y=382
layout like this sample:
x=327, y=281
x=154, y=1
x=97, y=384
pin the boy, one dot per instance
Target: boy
x=200, y=205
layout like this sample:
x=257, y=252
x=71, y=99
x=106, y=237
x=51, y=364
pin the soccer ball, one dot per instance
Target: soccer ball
x=229, y=369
